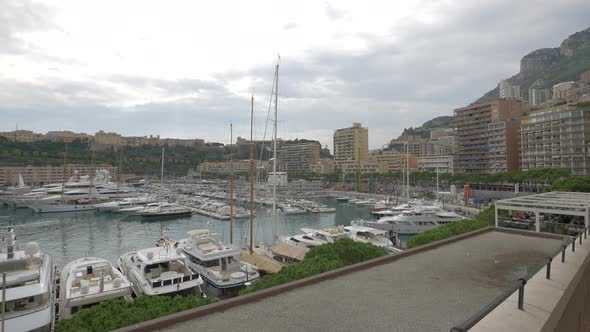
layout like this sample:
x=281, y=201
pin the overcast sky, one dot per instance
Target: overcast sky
x=187, y=68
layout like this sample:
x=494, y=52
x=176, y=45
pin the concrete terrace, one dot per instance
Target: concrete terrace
x=427, y=289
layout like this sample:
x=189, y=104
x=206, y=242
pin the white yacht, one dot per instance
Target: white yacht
x=218, y=264
x=30, y=277
x=412, y=222
x=370, y=235
x=167, y=211
x=88, y=281
x=314, y=237
x=123, y=204
x=160, y=271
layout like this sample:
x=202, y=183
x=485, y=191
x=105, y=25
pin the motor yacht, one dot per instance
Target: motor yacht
x=370, y=235
x=30, y=277
x=411, y=222
x=217, y=263
x=160, y=271
x=313, y=237
x=88, y=281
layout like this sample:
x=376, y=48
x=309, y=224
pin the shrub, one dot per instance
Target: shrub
x=117, y=313
x=484, y=219
x=318, y=260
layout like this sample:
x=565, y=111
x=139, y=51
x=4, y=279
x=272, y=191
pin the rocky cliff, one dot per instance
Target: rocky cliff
x=547, y=66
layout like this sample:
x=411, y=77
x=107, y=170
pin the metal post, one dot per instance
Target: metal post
x=537, y=223
x=496, y=210
x=574, y=245
x=580, y=239
x=521, y=294
x=549, y=259
x=563, y=253
x=3, y=298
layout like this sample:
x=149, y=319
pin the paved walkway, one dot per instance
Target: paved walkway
x=428, y=291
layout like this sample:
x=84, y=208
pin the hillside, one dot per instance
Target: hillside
x=424, y=130
x=548, y=66
x=144, y=160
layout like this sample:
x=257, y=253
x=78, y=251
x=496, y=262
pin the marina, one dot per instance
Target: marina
x=69, y=236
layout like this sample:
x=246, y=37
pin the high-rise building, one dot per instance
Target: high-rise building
x=556, y=137
x=351, y=145
x=538, y=96
x=508, y=91
x=560, y=89
x=486, y=138
x=298, y=157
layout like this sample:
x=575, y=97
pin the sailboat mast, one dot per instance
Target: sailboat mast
x=92, y=172
x=119, y=172
x=408, y=172
x=63, y=177
x=274, y=158
x=251, y=175
x=231, y=185
x=162, y=168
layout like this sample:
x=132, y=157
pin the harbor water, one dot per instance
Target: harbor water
x=67, y=236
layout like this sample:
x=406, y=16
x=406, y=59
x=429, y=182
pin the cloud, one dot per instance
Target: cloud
x=17, y=17
x=332, y=12
x=395, y=74
x=290, y=26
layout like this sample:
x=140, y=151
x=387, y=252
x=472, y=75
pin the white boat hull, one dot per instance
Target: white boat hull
x=61, y=208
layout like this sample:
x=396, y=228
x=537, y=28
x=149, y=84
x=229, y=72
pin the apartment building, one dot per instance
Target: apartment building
x=40, y=175
x=299, y=157
x=323, y=166
x=351, y=146
x=557, y=137
x=392, y=161
x=508, y=91
x=482, y=144
x=224, y=167
x=26, y=136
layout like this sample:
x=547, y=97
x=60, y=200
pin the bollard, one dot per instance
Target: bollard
x=521, y=295
x=580, y=239
x=549, y=259
x=563, y=253
x=574, y=245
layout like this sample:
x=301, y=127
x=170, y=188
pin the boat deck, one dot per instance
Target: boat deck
x=429, y=290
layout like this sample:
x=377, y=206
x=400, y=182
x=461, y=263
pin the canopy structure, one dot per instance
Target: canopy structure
x=560, y=203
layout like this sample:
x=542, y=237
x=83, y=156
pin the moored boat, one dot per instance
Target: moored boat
x=88, y=281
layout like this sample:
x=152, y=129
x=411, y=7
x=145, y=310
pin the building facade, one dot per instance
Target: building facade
x=560, y=89
x=323, y=166
x=224, y=167
x=351, y=146
x=392, y=161
x=474, y=137
x=299, y=157
x=556, y=137
x=508, y=91
x=40, y=175
x=26, y=136
x=538, y=96
x=440, y=164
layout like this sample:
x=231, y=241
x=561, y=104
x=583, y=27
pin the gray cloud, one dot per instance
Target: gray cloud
x=17, y=16
x=416, y=72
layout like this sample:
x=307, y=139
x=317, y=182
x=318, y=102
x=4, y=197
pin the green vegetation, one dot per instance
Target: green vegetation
x=117, y=313
x=318, y=260
x=574, y=183
x=484, y=219
x=142, y=160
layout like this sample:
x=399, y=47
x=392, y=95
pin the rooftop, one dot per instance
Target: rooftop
x=431, y=288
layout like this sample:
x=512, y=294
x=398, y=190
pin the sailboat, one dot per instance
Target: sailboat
x=20, y=188
x=259, y=255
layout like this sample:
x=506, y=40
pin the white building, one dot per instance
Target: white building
x=508, y=90
x=444, y=164
x=281, y=178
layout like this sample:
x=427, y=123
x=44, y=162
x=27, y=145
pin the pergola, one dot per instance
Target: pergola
x=562, y=203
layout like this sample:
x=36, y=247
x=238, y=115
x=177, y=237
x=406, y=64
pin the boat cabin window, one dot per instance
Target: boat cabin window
x=26, y=303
